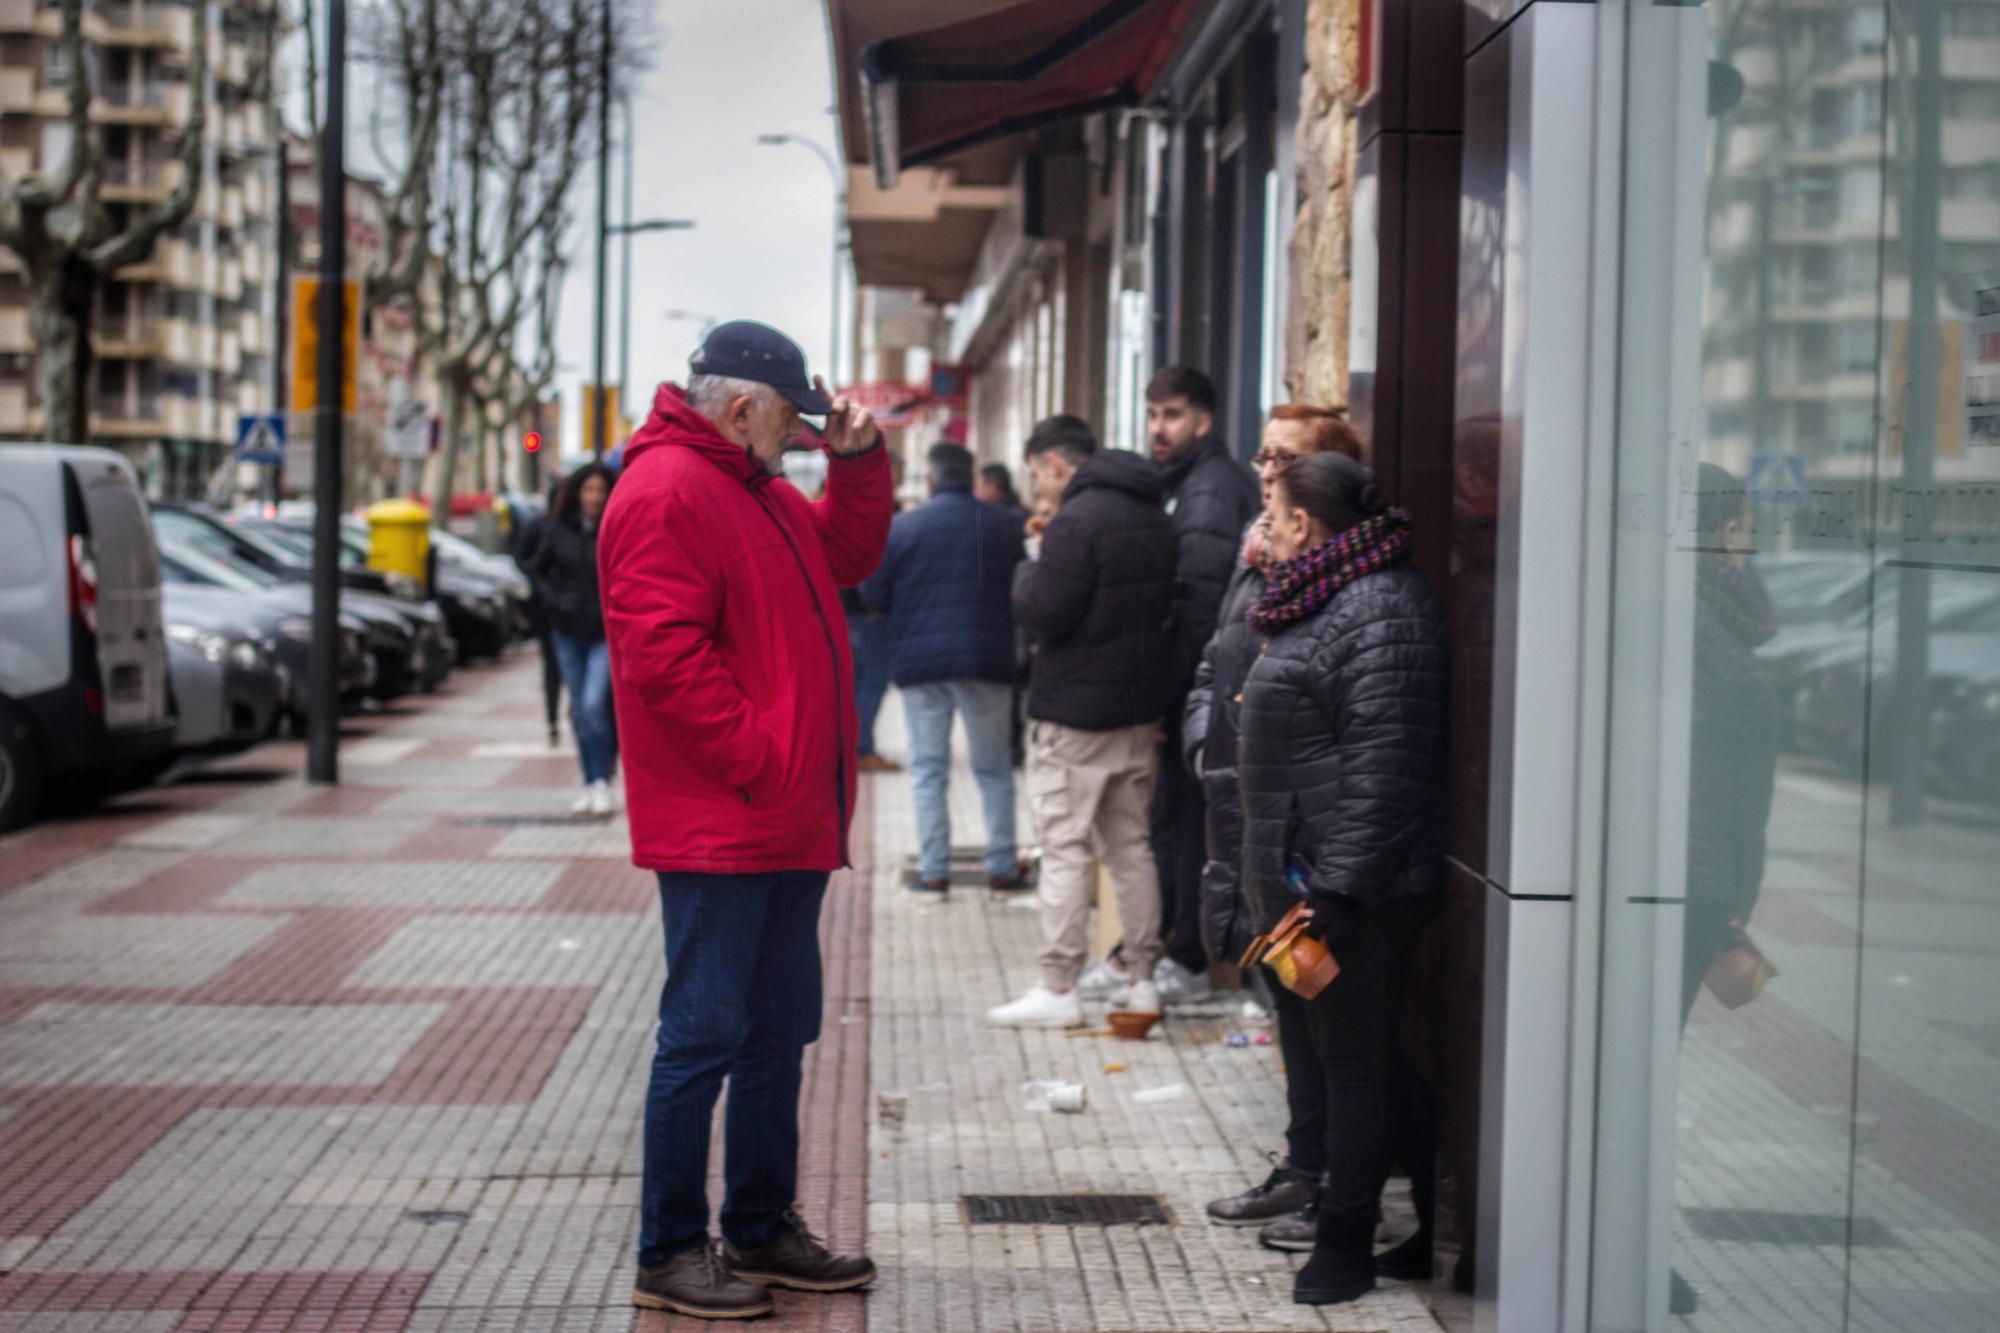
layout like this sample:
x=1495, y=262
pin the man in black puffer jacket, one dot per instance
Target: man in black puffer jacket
x=1342, y=759
x=1210, y=496
x=1098, y=601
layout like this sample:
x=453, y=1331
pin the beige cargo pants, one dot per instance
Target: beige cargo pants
x=1089, y=792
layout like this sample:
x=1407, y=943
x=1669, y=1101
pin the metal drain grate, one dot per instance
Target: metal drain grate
x=432, y=1217
x=1067, y=1210
x=1767, y=1228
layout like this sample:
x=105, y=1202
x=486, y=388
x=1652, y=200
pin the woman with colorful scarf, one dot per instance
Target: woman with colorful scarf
x=1341, y=761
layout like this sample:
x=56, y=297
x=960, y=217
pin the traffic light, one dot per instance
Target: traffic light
x=532, y=442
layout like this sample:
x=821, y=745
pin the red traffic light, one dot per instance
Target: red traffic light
x=533, y=442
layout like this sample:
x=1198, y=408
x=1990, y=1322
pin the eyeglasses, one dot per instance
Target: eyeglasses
x=1271, y=458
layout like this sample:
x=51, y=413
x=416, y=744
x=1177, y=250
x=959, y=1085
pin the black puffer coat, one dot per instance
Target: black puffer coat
x=1099, y=603
x=1343, y=749
x=1209, y=731
x=563, y=568
x=1211, y=497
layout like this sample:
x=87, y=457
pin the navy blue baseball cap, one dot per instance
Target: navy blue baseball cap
x=746, y=350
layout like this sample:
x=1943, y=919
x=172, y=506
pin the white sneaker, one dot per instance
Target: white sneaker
x=1180, y=986
x=1103, y=977
x=600, y=799
x=1039, y=1008
x=1141, y=997
x=581, y=805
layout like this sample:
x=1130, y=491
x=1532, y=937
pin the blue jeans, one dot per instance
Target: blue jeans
x=988, y=710
x=869, y=638
x=586, y=672
x=742, y=1001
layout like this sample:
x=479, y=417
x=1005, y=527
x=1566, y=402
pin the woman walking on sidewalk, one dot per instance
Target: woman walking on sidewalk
x=1342, y=764
x=564, y=568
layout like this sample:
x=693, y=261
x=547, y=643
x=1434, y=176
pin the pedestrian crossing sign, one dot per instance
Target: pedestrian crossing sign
x=260, y=438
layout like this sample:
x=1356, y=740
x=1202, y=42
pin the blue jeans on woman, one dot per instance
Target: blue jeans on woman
x=586, y=672
x=742, y=1001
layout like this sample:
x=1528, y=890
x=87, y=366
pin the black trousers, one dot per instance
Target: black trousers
x=1377, y=1105
x=1179, y=820
x=1305, y=1083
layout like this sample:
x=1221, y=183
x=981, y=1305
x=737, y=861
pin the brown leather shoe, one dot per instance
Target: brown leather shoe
x=875, y=763
x=696, y=1283
x=799, y=1261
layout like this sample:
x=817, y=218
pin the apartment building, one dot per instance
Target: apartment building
x=185, y=341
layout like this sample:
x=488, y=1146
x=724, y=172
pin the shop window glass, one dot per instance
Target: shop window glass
x=1804, y=693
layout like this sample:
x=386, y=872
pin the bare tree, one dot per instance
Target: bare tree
x=67, y=240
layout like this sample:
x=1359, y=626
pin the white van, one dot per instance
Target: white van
x=83, y=657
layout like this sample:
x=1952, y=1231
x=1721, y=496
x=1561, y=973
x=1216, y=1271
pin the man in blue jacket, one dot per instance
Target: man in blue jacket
x=946, y=587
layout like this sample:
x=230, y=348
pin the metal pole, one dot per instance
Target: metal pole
x=323, y=701
x=280, y=302
x=599, y=427
x=625, y=266
x=1910, y=737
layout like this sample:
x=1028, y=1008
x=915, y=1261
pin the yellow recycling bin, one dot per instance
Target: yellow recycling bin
x=399, y=538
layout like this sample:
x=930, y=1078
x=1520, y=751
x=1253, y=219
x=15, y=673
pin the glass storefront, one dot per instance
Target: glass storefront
x=1797, y=1091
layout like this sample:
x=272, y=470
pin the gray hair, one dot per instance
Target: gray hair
x=709, y=394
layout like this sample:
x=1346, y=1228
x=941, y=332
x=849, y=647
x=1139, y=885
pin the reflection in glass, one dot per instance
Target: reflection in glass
x=1805, y=690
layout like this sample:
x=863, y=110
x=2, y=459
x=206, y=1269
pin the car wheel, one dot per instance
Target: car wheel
x=20, y=772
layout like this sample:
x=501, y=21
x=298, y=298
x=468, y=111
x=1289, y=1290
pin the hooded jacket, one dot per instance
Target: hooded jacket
x=1099, y=603
x=945, y=585
x=1211, y=497
x=729, y=654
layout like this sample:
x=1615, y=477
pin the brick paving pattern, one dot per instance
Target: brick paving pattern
x=275, y=1057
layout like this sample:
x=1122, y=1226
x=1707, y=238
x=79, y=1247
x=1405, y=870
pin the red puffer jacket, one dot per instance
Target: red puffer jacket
x=729, y=655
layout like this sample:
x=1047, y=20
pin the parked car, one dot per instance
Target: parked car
x=283, y=612
x=83, y=655
x=230, y=688
x=476, y=609
x=439, y=649
x=405, y=638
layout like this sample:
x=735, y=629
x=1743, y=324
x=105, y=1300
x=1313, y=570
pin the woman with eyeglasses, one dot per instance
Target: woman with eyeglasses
x=1284, y=1206
x=1341, y=762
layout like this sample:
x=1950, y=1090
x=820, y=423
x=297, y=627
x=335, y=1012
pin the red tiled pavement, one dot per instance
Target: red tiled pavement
x=62, y=1147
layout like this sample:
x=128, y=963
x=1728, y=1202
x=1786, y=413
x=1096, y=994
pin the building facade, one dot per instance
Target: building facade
x=187, y=340
x=1677, y=330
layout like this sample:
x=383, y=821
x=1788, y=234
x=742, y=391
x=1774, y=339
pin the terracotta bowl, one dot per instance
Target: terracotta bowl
x=1131, y=1026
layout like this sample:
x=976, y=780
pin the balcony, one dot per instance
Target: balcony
x=126, y=416
x=17, y=16
x=14, y=335
x=17, y=89
x=14, y=409
x=136, y=103
x=127, y=182
x=137, y=25
x=128, y=337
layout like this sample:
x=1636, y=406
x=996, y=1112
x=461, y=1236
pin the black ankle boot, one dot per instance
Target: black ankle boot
x=1342, y=1267
x=1407, y=1262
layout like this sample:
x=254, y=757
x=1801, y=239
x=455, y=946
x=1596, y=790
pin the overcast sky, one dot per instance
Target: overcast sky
x=723, y=72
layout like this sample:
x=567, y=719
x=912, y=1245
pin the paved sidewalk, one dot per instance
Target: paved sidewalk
x=967, y=1130
x=279, y=1058
x=371, y=1058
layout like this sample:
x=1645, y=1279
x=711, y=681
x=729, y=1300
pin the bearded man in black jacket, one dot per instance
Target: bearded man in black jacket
x=1211, y=497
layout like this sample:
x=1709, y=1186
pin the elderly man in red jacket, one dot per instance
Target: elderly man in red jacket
x=735, y=696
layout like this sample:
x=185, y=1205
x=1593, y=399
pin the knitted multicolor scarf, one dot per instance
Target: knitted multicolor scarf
x=1303, y=585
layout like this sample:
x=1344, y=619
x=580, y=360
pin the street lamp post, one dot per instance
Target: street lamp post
x=839, y=176
x=323, y=680
x=599, y=427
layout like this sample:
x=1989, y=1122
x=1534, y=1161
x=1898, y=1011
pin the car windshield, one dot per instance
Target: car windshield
x=296, y=546
x=203, y=566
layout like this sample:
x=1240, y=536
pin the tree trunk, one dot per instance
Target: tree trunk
x=62, y=298
x=444, y=463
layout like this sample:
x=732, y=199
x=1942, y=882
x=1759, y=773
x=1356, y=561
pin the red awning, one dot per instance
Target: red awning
x=934, y=92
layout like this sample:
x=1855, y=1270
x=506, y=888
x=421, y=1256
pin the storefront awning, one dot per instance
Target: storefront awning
x=932, y=92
